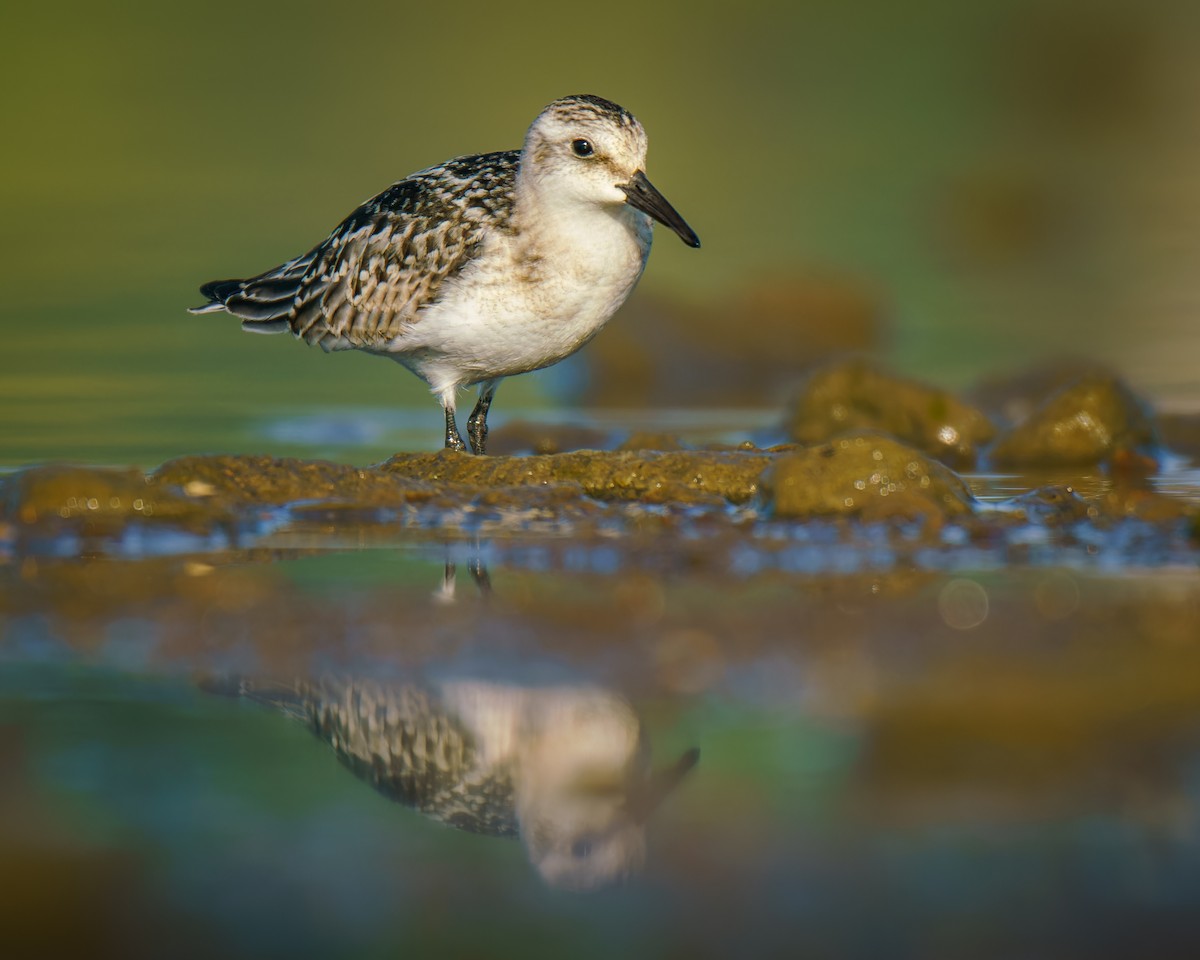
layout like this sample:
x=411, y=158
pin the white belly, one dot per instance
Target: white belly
x=512, y=311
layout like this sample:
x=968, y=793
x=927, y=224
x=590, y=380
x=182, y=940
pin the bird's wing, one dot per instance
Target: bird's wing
x=390, y=257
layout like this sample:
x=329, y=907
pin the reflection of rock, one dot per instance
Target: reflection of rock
x=565, y=768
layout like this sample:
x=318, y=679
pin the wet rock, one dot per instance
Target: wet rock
x=687, y=477
x=97, y=499
x=1095, y=420
x=856, y=395
x=1053, y=506
x=1012, y=398
x=241, y=480
x=870, y=477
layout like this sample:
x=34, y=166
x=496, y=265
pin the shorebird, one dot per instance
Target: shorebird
x=563, y=767
x=479, y=268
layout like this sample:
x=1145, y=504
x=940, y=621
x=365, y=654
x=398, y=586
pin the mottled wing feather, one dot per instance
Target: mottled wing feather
x=406, y=743
x=362, y=286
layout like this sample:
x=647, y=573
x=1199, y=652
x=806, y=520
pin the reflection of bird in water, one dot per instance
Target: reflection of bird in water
x=566, y=768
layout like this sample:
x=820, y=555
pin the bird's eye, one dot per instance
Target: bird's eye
x=581, y=849
x=582, y=148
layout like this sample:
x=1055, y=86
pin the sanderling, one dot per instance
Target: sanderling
x=482, y=267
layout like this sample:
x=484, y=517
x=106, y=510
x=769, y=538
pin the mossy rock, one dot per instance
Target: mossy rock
x=100, y=499
x=1093, y=421
x=242, y=480
x=871, y=477
x=856, y=396
x=677, y=476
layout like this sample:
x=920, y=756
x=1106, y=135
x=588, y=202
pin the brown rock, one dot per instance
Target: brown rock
x=865, y=476
x=856, y=395
x=1093, y=421
x=98, y=499
x=238, y=480
x=685, y=476
x=1011, y=398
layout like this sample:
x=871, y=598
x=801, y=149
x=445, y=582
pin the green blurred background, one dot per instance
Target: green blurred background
x=1009, y=179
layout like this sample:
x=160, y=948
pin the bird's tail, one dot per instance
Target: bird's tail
x=217, y=292
x=263, y=303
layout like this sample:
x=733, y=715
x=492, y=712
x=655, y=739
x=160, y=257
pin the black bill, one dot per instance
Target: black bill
x=645, y=801
x=640, y=193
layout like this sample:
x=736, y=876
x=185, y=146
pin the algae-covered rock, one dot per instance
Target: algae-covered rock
x=866, y=476
x=240, y=480
x=683, y=476
x=101, y=499
x=856, y=396
x=1011, y=397
x=1093, y=421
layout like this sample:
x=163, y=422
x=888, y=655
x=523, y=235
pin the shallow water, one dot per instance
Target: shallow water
x=221, y=743
x=974, y=741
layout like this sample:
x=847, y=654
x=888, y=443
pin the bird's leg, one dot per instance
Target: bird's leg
x=479, y=573
x=477, y=430
x=445, y=595
x=454, y=440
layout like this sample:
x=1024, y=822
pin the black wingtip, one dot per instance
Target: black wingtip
x=218, y=291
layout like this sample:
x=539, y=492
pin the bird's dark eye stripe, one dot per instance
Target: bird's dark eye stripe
x=582, y=148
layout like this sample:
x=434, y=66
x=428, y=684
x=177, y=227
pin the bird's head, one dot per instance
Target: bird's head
x=585, y=149
x=585, y=789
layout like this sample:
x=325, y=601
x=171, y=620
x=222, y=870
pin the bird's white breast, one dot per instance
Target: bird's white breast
x=533, y=296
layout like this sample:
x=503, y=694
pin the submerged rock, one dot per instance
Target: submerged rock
x=864, y=476
x=1095, y=420
x=858, y=396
